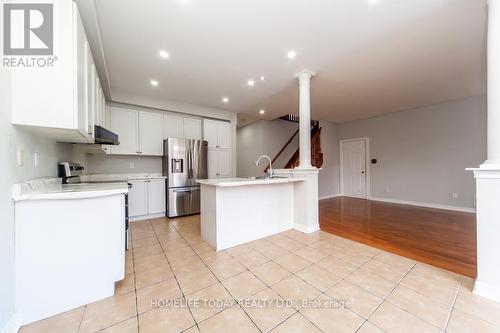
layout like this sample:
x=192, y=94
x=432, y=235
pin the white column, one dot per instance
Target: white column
x=488, y=175
x=304, y=78
x=493, y=84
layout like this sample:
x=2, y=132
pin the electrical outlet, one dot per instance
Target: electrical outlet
x=20, y=157
x=132, y=165
x=454, y=195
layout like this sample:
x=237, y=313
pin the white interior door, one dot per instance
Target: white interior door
x=354, y=168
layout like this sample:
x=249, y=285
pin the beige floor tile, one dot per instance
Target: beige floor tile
x=476, y=305
x=292, y=289
x=251, y=259
x=420, y=306
x=369, y=328
x=394, y=260
x=353, y=258
x=229, y=320
x=149, y=250
x=214, y=257
x=193, y=281
x=193, y=329
x=127, y=326
x=151, y=276
x=243, y=285
x=293, y=262
x=143, y=264
x=358, y=300
x=288, y=244
x=157, y=294
x=259, y=243
x=209, y=301
x=440, y=290
x=390, y=318
x=239, y=250
x=108, y=312
x=318, y=277
x=165, y=320
x=226, y=268
x=179, y=254
x=336, y=266
x=145, y=242
x=371, y=282
x=311, y=254
x=189, y=264
x=465, y=323
x=386, y=271
x=126, y=285
x=268, y=310
x=67, y=322
x=365, y=249
x=272, y=251
x=296, y=324
x=331, y=318
x=270, y=272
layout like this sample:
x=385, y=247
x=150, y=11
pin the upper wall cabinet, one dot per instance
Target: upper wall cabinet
x=140, y=132
x=60, y=101
x=217, y=133
x=150, y=133
x=182, y=127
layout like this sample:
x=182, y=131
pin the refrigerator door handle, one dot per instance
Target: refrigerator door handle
x=186, y=190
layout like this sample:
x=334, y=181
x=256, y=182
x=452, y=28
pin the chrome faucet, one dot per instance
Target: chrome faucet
x=270, y=171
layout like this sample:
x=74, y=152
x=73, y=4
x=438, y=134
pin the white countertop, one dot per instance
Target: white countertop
x=52, y=189
x=120, y=176
x=232, y=182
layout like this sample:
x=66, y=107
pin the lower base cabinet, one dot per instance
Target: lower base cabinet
x=147, y=198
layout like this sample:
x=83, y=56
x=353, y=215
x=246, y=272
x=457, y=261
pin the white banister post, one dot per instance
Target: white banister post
x=487, y=176
x=304, y=78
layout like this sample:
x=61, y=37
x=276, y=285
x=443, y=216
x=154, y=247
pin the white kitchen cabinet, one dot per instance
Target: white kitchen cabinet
x=125, y=123
x=173, y=126
x=138, y=198
x=192, y=128
x=59, y=97
x=150, y=133
x=217, y=133
x=156, y=196
x=147, y=198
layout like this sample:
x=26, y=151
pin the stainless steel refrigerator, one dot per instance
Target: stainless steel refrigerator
x=184, y=161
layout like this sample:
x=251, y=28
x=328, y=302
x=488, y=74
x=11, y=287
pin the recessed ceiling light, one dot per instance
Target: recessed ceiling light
x=164, y=54
x=251, y=83
x=291, y=54
x=225, y=99
x=262, y=111
x=154, y=83
x=262, y=78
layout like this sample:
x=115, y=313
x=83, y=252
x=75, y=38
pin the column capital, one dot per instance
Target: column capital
x=305, y=73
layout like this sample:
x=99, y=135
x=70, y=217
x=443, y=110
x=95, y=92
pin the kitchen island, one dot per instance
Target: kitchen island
x=235, y=211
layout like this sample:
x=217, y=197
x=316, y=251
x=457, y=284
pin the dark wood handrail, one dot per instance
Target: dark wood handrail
x=283, y=149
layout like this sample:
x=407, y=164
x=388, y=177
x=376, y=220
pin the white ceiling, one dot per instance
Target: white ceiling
x=371, y=58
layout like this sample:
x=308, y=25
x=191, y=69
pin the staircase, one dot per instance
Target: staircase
x=316, y=154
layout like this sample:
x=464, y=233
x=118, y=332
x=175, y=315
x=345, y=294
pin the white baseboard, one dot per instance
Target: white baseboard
x=487, y=290
x=424, y=204
x=306, y=229
x=146, y=217
x=330, y=196
x=12, y=325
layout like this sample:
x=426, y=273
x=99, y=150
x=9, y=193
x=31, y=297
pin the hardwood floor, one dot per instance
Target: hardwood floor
x=442, y=238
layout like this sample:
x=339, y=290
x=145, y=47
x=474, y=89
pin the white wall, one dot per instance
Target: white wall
x=263, y=137
x=50, y=153
x=329, y=174
x=422, y=153
x=268, y=137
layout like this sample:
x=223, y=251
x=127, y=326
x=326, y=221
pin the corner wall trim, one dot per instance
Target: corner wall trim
x=330, y=196
x=305, y=229
x=424, y=204
x=486, y=290
x=12, y=326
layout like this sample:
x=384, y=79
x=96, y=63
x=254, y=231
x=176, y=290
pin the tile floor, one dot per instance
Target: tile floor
x=291, y=282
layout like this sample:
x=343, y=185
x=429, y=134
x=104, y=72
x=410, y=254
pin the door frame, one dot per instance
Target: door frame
x=366, y=139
